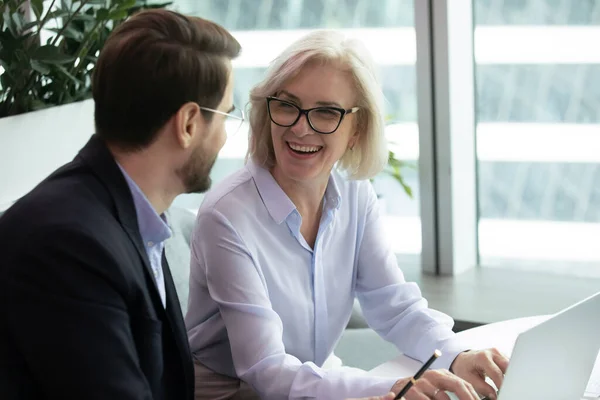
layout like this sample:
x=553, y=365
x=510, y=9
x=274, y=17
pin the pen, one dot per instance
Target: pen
x=420, y=372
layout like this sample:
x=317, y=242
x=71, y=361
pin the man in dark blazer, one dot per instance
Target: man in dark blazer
x=88, y=309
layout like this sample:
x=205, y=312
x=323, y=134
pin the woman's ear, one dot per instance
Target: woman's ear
x=352, y=141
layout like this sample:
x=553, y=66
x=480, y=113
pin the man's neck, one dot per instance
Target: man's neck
x=150, y=175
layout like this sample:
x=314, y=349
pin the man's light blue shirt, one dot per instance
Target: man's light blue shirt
x=268, y=308
x=154, y=231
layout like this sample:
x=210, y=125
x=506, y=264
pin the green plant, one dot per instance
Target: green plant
x=395, y=166
x=37, y=73
x=394, y=169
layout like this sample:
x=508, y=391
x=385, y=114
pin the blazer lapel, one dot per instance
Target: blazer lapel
x=175, y=317
x=99, y=158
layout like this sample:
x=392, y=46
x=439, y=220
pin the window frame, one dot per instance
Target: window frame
x=447, y=148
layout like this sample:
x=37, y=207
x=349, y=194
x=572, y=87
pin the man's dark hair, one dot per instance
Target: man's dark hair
x=150, y=66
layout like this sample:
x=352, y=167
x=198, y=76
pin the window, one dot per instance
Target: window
x=538, y=134
x=264, y=28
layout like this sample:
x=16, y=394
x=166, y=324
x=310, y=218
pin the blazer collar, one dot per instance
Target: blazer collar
x=98, y=157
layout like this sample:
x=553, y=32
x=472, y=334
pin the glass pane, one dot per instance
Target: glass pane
x=265, y=28
x=538, y=134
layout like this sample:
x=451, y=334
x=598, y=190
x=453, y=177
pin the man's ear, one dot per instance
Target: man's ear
x=188, y=122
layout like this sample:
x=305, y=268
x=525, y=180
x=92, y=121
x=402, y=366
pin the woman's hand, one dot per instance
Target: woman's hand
x=433, y=384
x=474, y=366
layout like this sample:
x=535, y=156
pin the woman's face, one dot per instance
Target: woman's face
x=301, y=153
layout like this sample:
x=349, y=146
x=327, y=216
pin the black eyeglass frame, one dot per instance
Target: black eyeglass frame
x=302, y=111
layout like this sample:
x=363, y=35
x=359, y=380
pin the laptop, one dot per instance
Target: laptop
x=554, y=359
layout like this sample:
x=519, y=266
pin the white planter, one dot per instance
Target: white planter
x=34, y=144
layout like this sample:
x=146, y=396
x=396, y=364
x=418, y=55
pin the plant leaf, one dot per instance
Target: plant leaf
x=38, y=105
x=139, y=5
x=69, y=32
x=118, y=14
x=126, y=4
x=102, y=14
x=159, y=5
x=398, y=176
x=68, y=74
x=19, y=20
x=84, y=17
x=38, y=8
x=30, y=25
x=8, y=22
x=58, y=14
x=393, y=169
x=51, y=54
x=40, y=67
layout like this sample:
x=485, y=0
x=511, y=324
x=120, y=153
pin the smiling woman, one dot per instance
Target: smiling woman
x=308, y=142
x=283, y=246
x=386, y=27
x=338, y=89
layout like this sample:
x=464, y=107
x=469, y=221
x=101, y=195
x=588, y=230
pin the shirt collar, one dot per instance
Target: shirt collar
x=333, y=198
x=153, y=227
x=277, y=202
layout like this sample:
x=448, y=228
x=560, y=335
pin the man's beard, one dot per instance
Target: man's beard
x=195, y=173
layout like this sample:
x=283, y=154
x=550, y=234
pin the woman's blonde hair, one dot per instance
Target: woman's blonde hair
x=369, y=155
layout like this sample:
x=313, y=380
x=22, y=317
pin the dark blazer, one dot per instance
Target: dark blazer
x=80, y=314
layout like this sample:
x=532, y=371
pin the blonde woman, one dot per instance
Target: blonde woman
x=283, y=247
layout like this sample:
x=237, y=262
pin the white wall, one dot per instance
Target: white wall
x=33, y=145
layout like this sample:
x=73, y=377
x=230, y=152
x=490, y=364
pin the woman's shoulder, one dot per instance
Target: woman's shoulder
x=236, y=190
x=352, y=188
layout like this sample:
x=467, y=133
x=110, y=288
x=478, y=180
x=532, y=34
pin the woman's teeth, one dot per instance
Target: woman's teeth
x=304, y=149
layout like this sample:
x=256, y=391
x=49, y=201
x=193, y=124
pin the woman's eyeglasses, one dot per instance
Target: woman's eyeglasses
x=324, y=120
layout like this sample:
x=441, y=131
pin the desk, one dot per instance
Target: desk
x=501, y=335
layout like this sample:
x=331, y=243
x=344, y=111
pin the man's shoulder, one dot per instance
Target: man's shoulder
x=71, y=197
x=70, y=218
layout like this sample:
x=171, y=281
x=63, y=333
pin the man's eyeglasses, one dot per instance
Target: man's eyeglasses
x=323, y=120
x=233, y=123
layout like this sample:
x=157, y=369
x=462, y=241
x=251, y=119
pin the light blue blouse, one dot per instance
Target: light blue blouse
x=266, y=307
